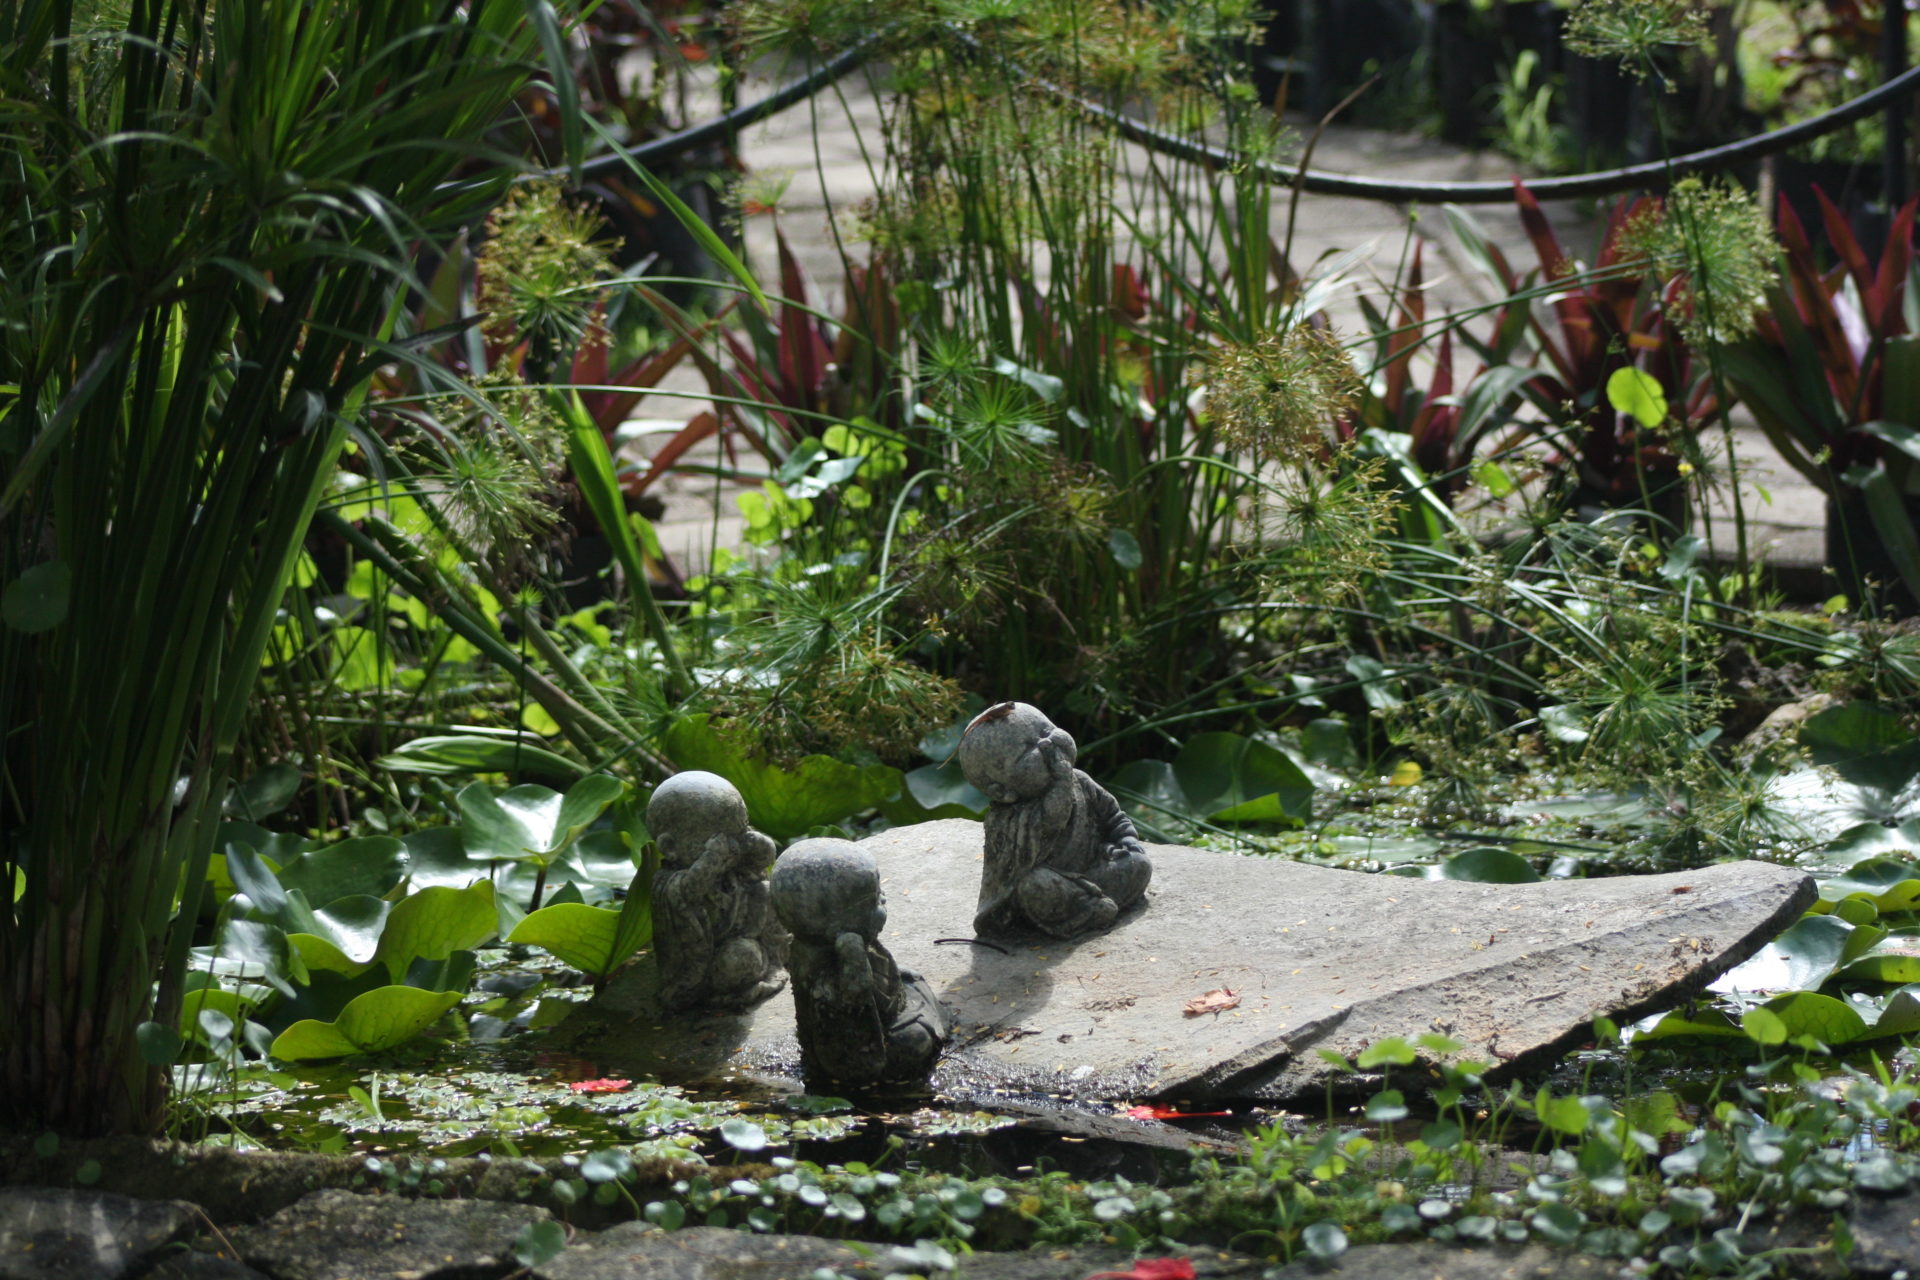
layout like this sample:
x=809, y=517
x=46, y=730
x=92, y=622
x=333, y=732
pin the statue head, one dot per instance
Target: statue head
x=822, y=888
x=1016, y=754
x=690, y=808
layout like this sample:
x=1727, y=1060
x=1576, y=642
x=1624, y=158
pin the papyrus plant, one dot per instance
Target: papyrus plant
x=208, y=215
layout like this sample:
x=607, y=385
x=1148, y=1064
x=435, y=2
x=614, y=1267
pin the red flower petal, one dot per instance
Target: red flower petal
x=1151, y=1269
x=599, y=1086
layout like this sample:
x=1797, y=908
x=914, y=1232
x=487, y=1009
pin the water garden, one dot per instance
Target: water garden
x=1500, y=857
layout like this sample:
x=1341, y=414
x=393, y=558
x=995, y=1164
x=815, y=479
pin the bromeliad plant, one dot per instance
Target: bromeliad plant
x=1833, y=376
x=210, y=218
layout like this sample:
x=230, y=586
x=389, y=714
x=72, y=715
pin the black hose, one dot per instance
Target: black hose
x=1652, y=174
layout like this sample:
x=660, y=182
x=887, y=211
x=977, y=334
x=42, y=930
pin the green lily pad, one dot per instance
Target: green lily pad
x=1230, y=778
x=455, y=754
x=932, y=792
x=1840, y=734
x=1486, y=865
x=381, y=1019
x=784, y=803
x=1889, y=883
x=434, y=923
x=580, y=935
x=531, y=823
x=438, y=856
x=1801, y=959
x=344, y=936
x=1895, y=959
x=370, y=865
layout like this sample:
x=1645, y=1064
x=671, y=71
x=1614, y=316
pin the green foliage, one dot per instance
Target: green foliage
x=784, y=803
x=209, y=221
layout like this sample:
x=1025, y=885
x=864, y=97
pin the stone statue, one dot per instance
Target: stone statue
x=1062, y=858
x=862, y=1020
x=715, y=937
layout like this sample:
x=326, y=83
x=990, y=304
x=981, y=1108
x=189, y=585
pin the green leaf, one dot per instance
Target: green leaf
x=1386, y=1051
x=1893, y=960
x=743, y=1135
x=1840, y=734
x=160, y=1044
x=37, y=600
x=932, y=792
x=1125, y=549
x=1888, y=883
x=1637, y=394
x=434, y=923
x=264, y=794
x=438, y=856
x=349, y=928
x=1386, y=1106
x=454, y=754
x=380, y=1019
x=1566, y=1115
x=1800, y=959
x=1486, y=865
x=784, y=803
x=1830, y=1021
x=1324, y=1240
x=580, y=935
x=1226, y=777
x=531, y=823
x=1888, y=511
x=1764, y=1026
x=370, y=865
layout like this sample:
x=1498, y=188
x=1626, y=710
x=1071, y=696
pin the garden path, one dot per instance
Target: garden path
x=820, y=144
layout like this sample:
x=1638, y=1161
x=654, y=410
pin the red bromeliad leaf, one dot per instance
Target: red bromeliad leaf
x=599, y=1086
x=1219, y=1000
x=1151, y=1269
x=1147, y=1112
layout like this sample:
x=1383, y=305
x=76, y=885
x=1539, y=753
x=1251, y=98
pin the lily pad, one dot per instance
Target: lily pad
x=784, y=803
x=1485, y=866
x=370, y=865
x=932, y=792
x=434, y=923
x=531, y=823
x=1801, y=959
x=380, y=1019
x=455, y=754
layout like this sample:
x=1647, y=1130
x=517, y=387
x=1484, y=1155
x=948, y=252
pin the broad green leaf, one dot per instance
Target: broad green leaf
x=370, y=865
x=464, y=753
x=434, y=923
x=1637, y=394
x=1150, y=792
x=1566, y=1115
x=1764, y=1026
x=1486, y=866
x=1230, y=778
x=934, y=791
x=160, y=1044
x=380, y=1019
x=1888, y=883
x=1894, y=960
x=1841, y=733
x=1900, y=1014
x=1800, y=959
x=346, y=929
x=1386, y=1051
x=539, y=1242
x=531, y=823
x=438, y=856
x=580, y=935
x=37, y=600
x=1125, y=549
x=264, y=794
x=1806, y=1013
x=784, y=803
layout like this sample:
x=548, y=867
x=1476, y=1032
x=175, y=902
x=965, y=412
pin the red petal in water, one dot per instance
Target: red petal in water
x=1169, y=1113
x=599, y=1086
x=1151, y=1269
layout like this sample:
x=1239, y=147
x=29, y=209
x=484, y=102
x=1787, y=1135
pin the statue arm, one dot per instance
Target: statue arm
x=1117, y=833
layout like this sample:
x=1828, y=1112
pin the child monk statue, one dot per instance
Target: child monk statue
x=862, y=1020
x=714, y=933
x=1062, y=858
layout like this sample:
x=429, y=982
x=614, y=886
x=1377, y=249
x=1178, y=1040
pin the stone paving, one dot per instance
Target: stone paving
x=829, y=149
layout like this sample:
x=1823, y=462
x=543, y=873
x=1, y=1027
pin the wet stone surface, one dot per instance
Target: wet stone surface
x=48, y=1234
x=338, y=1235
x=1286, y=959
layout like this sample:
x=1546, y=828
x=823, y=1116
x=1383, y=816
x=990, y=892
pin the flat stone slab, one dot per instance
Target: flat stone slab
x=1315, y=958
x=338, y=1235
x=49, y=1233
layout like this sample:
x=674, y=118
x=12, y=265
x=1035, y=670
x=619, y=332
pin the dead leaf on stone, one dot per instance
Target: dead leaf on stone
x=1219, y=1000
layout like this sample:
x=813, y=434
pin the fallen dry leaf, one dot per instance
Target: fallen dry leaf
x=1219, y=1000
